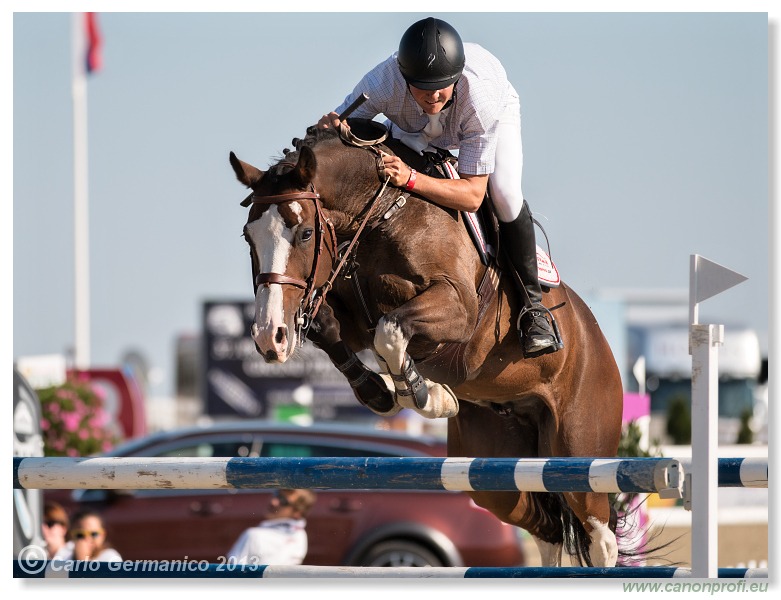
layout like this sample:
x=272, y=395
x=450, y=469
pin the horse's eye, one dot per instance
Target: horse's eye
x=306, y=235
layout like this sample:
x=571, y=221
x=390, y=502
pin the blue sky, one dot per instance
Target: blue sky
x=645, y=140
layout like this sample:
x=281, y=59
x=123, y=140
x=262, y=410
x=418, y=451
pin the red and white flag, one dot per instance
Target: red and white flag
x=93, y=43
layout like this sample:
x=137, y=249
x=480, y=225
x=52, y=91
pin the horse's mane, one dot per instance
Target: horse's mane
x=290, y=157
x=314, y=136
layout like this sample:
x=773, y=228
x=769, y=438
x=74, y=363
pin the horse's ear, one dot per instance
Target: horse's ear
x=306, y=166
x=245, y=172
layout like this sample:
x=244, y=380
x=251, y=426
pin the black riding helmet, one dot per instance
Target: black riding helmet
x=431, y=55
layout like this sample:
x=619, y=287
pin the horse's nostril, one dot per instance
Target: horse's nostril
x=281, y=335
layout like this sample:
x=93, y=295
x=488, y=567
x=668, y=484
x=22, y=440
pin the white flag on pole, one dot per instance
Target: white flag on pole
x=707, y=279
x=711, y=278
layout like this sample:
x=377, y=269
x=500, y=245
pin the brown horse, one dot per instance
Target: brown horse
x=403, y=278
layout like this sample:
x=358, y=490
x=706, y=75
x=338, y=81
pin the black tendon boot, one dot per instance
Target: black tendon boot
x=534, y=330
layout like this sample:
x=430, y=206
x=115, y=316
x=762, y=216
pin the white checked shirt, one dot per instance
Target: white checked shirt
x=469, y=124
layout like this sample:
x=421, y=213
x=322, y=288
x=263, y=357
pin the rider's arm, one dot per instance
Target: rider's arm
x=466, y=193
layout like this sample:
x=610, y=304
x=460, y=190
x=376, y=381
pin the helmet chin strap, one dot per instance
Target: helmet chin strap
x=453, y=97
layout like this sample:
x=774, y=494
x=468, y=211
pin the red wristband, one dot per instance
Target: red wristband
x=413, y=177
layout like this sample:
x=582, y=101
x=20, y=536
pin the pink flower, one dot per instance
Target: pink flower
x=53, y=408
x=99, y=419
x=71, y=421
x=72, y=452
x=83, y=434
x=45, y=424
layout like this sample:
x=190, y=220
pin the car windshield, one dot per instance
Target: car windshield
x=214, y=449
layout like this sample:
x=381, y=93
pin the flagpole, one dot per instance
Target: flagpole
x=80, y=196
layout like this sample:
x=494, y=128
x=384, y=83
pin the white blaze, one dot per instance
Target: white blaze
x=272, y=242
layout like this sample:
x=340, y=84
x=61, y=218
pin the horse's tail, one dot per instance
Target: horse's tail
x=576, y=538
x=552, y=513
x=635, y=544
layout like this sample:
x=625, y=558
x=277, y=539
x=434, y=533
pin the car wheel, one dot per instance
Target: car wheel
x=400, y=553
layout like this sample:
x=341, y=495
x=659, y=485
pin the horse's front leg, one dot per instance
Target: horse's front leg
x=436, y=315
x=369, y=388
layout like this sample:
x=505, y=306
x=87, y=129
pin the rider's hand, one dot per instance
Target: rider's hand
x=329, y=121
x=396, y=169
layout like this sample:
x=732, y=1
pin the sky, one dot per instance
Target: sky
x=645, y=140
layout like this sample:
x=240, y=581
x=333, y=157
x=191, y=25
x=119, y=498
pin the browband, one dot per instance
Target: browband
x=253, y=199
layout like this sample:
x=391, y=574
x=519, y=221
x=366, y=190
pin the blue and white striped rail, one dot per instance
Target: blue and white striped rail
x=661, y=475
x=741, y=472
x=203, y=570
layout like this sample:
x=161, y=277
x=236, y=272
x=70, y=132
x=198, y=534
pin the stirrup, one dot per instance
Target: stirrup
x=557, y=344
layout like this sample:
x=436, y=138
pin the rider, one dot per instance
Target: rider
x=438, y=89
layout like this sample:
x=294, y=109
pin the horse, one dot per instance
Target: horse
x=343, y=259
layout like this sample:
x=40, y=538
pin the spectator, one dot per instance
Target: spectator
x=54, y=528
x=87, y=540
x=280, y=539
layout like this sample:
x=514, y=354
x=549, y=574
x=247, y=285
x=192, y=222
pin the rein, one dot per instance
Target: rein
x=312, y=300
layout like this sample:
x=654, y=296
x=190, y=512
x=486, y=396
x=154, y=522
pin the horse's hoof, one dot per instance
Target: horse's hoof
x=375, y=395
x=391, y=413
x=383, y=406
x=447, y=403
x=442, y=403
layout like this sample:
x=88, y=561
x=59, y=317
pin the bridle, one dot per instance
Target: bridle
x=313, y=297
x=309, y=306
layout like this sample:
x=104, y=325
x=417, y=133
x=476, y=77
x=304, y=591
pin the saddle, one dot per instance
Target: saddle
x=482, y=226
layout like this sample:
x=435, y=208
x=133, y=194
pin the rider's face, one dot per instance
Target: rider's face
x=432, y=101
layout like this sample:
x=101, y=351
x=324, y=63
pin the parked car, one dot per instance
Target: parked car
x=350, y=527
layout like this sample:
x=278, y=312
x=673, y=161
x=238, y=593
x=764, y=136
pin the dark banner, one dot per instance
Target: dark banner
x=236, y=381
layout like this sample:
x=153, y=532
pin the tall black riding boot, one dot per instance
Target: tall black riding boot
x=534, y=330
